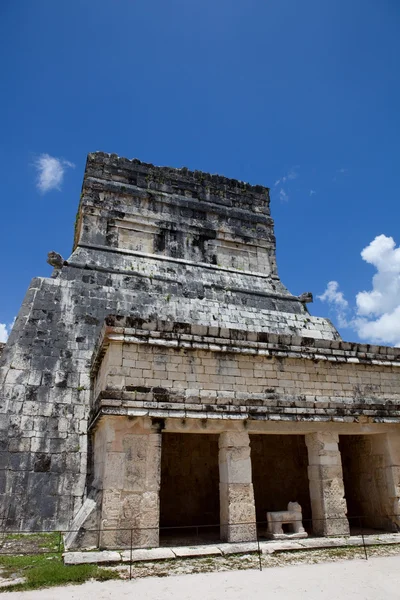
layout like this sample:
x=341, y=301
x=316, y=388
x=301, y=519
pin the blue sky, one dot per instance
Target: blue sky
x=299, y=96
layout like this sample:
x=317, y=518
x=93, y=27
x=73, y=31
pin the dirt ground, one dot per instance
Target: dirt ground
x=375, y=579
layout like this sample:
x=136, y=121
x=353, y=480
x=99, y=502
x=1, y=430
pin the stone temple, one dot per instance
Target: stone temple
x=164, y=377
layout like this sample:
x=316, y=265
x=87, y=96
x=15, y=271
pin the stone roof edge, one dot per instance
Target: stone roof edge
x=183, y=172
x=218, y=339
x=245, y=414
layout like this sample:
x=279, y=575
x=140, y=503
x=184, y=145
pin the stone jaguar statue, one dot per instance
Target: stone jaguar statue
x=292, y=517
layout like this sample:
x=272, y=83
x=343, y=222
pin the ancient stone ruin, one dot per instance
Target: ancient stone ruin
x=292, y=517
x=164, y=377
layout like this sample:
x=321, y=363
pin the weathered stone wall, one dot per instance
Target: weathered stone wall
x=199, y=371
x=180, y=372
x=189, y=493
x=176, y=213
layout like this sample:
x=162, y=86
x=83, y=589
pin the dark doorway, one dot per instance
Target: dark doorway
x=363, y=463
x=189, y=495
x=279, y=465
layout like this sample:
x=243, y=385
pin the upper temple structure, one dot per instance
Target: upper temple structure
x=164, y=377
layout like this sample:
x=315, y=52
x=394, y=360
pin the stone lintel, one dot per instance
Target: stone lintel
x=304, y=421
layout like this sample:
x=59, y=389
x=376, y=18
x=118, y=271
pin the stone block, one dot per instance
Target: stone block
x=319, y=472
x=239, y=548
x=84, y=558
x=147, y=554
x=236, y=532
x=235, y=440
x=235, y=469
x=19, y=445
x=189, y=551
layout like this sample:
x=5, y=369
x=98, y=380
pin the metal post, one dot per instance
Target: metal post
x=362, y=537
x=130, y=562
x=365, y=547
x=258, y=546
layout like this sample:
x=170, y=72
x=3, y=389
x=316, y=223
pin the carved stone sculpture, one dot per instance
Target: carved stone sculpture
x=292, y=517
x=55, y=260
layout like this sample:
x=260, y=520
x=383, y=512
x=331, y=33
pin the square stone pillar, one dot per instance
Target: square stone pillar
x=237, y=508
x=392, y=477
x=325, y=477
x=129, y=462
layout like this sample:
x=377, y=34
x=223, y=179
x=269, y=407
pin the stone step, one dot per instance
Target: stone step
x=269, y=547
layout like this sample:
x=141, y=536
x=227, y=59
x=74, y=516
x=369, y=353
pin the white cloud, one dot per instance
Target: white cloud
x=50, y=172
x=376, y=315
x=312, y=192
x=292, y=174
x=385, y=294
x=283, y=197
x=337, y=300
x=5, y=330
x=383, y=330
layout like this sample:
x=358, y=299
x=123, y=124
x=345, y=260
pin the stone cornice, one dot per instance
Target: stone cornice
x=147, y=175
x=313, y=413
x=217, y=339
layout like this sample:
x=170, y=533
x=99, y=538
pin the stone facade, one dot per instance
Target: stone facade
x=240, y=387
x=169, y=319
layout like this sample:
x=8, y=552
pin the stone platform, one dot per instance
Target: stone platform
x=156, y=554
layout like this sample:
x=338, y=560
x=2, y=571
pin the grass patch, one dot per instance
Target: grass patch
x=52, y=537
x=31, y=542
x=47, y=570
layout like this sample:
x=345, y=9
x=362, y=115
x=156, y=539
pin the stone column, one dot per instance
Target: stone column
x=392, y=477
x=237, y=508
x=131, y=470
x=325, y=476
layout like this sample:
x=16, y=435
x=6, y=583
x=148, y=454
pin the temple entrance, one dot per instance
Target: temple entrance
x=189, y=495
x=279, y=466
x=363, y=463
